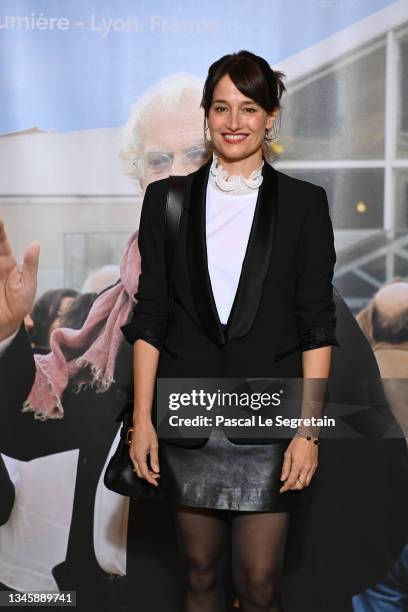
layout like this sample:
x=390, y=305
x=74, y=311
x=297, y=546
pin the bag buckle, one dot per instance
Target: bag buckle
x=128, y=437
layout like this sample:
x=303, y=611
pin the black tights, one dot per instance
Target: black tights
x=258, y=540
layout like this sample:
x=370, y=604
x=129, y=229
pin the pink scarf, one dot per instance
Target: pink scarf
x=97, y=344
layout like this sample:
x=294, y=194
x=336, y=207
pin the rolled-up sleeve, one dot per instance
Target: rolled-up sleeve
x=316, y=256
x=149, y=316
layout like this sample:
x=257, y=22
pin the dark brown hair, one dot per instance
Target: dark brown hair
x=251, y=74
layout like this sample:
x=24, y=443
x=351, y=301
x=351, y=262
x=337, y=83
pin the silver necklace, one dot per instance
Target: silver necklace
x=235, y=184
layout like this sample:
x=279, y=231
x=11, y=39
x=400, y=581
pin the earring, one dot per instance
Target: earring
x=208, y=140
x=268, y=135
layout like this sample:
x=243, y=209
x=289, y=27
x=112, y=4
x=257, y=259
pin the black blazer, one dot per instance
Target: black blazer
x=284, y=301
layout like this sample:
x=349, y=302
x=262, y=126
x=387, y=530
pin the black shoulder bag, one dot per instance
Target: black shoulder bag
x=119, y=475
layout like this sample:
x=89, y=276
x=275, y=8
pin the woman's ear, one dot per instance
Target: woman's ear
x=271, y=118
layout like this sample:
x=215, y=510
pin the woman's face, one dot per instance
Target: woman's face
x=237, y=124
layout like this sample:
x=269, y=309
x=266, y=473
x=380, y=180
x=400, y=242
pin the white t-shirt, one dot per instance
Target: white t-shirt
x=228, y=224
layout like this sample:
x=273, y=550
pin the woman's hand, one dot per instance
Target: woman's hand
x=144, y=443
x=18, y=284
x=299, y=465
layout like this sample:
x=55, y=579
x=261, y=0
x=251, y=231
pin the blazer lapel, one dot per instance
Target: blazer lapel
x=197, y=257
x=257, y=257
x=255, y=264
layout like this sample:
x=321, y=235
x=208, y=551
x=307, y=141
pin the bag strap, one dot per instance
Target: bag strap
x=174, y=207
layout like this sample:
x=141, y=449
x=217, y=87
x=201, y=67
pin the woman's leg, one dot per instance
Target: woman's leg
x=258, y=543
x=203, y=536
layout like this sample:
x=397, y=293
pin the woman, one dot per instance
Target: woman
x=273, y=318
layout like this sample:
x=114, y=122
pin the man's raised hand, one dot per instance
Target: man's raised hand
x=18, y=284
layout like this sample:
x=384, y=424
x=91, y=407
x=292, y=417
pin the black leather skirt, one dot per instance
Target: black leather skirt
x=228, y=476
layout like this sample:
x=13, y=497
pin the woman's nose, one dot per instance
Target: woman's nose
x=234, y=122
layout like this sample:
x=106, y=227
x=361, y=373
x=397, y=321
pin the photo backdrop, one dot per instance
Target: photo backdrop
x=99, y=98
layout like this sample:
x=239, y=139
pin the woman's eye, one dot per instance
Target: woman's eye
x=217, y=108
x=250, y=109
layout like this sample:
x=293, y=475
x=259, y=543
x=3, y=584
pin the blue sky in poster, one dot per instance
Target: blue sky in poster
x=81, y=64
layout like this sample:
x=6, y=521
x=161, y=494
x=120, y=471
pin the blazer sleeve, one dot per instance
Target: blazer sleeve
x=315, y=308
x=149, y=316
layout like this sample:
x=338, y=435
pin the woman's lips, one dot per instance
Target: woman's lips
x=234, y=138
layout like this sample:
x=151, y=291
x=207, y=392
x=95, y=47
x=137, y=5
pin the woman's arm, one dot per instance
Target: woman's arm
x=316, y=368
x=315, y=311
x=315, y=308
x=315, y=260
x=147, y=327
x=145, y=362
x=301, y=456
x=144, y=437
x=316, y=362
x=149, y=315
